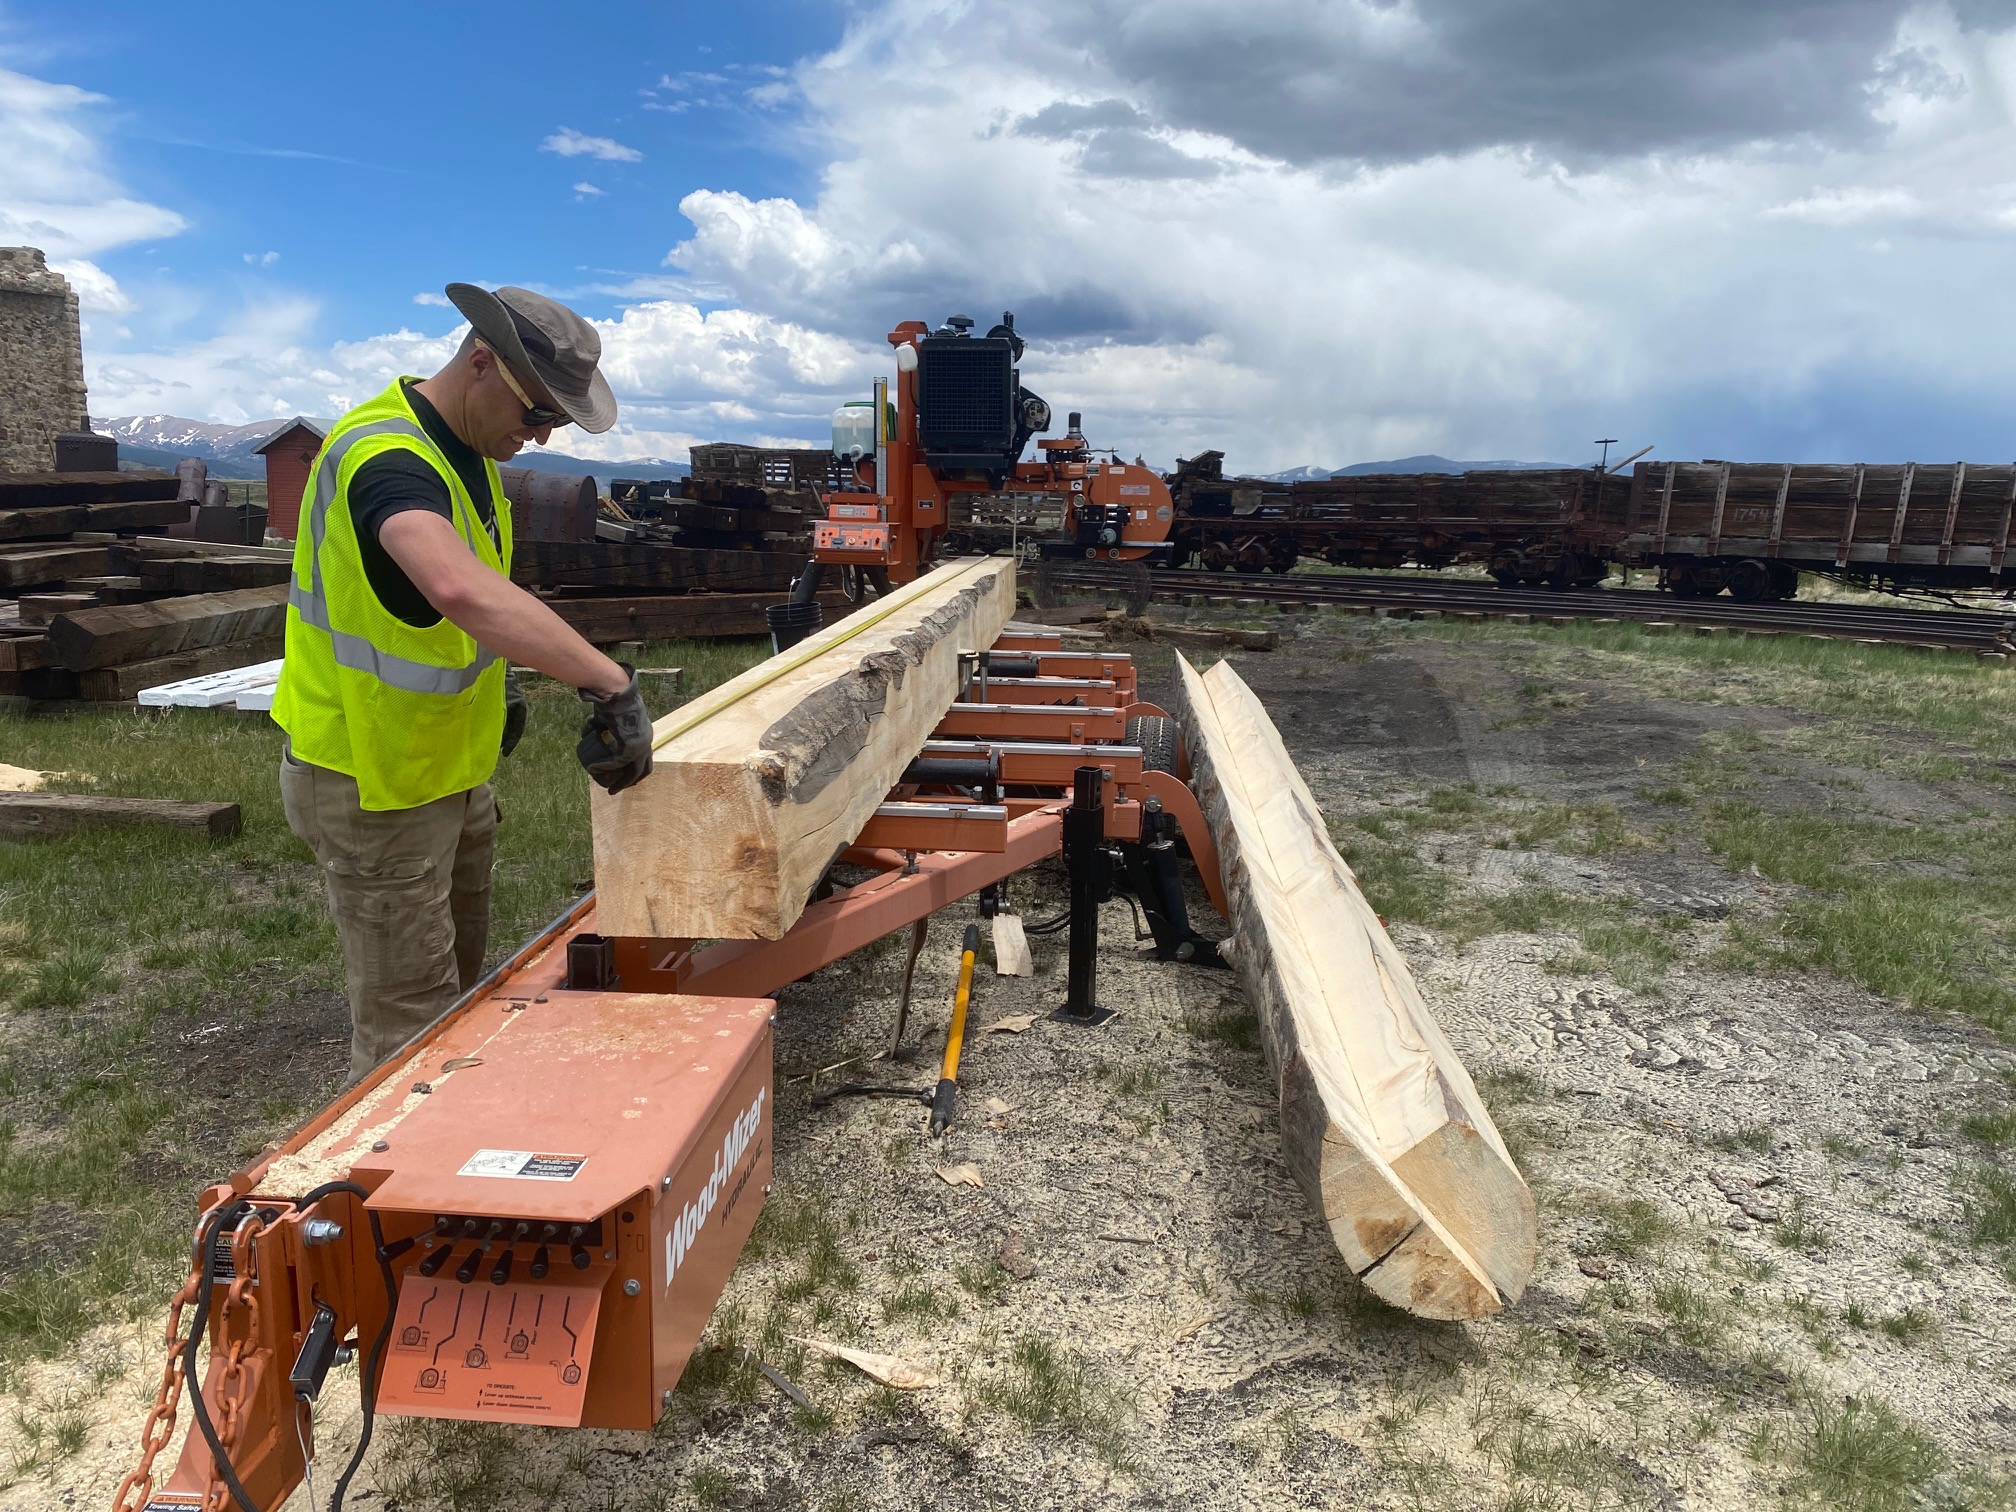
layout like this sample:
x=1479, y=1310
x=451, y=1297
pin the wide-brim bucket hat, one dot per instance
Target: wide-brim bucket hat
x=543, y=337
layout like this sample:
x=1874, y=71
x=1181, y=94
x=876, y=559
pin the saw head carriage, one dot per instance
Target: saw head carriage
x=958, y=422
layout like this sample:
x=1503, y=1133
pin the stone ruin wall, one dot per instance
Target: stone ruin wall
x=41, y=362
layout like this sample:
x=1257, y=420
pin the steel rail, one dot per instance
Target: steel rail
x=1966, y=629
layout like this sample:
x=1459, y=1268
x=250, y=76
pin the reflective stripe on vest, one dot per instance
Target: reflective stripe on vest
x=312, y=604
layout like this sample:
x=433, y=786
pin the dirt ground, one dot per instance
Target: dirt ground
x=1755, y=1283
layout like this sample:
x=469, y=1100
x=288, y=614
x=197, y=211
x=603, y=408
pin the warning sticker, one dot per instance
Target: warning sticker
x=526, y=1165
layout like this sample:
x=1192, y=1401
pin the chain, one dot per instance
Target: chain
x=138, y=1488
x=231, y=1386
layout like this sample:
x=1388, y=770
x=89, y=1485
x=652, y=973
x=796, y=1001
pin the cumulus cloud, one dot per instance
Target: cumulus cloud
x=1312, y=81
x=1331, y=232
x=429, y=297
x=586, y=191
x=261, y=259
x=262, y=363
x=568, y=142
x=56, y=191
x=97, y=291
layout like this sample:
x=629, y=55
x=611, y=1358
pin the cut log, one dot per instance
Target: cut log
x=605, y=621
x=762, y=782
x=129, y=554
x=113, y=590
x=117, y=684
x=112, y=637
x=23, y=653
x=28, y=566
x=56, y=490
x=668, y=569
x=40, y=608
x=208, y=574
x=28, y=816
x=55, y=524
x=1381, y=1123
x=1209, y=638
x=726, y=517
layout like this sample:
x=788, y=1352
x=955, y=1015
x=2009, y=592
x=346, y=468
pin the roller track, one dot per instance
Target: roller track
x=1957, y=629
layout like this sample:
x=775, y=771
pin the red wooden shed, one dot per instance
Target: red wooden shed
x=290, y=456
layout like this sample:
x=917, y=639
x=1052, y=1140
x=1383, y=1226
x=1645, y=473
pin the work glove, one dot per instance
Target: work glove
x=516, y=708
x=615, y=746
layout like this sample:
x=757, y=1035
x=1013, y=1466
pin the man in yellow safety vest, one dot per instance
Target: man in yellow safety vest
x=402, y=622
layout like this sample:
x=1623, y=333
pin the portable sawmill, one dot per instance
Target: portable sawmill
x=528, y=1214
x=957, y=423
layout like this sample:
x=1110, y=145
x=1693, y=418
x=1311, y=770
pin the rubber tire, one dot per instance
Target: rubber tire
x=1159, y=742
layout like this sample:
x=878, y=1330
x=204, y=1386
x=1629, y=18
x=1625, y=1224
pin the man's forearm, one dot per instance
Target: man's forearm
x=506, y=619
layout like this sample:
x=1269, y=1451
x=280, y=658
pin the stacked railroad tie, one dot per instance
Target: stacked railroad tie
x=97, y=601
x=698, y=556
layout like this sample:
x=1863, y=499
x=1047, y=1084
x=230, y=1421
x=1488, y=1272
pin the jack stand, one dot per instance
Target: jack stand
x=1091, y=873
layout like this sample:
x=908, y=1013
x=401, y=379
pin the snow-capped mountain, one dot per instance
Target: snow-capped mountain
x=190, y=438
x=158, y=440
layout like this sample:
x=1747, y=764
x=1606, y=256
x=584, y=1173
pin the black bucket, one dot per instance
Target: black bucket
x=791, y=623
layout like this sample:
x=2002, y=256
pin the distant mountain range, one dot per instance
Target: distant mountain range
x=163, y=440
x=1427, y=464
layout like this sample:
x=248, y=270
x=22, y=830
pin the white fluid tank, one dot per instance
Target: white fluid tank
x=854, y=430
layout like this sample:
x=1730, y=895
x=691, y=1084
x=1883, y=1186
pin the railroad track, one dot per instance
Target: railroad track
x=1955, y=629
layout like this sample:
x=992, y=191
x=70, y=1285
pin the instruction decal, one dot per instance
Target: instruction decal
x=524, y=1165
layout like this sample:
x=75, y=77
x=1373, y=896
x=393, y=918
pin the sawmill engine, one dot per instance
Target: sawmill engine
x=973, y=415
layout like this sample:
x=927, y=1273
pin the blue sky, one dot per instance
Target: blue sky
x=1297, y=230
x=369, y=152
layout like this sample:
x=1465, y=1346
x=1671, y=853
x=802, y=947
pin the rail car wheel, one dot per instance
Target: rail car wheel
x=1784, y=581
x=1681, y=583
x=1217, y=556
x=1253, y=555
x=1750, y=581
x=1283, y=555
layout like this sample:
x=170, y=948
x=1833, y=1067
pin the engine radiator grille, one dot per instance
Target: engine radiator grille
x=966, y=396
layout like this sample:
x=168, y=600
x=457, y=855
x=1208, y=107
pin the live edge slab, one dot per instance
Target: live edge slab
x=759, y=784
x=1380, y=1122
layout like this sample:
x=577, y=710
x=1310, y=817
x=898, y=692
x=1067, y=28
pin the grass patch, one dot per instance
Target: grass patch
x=1631, y=1227
x=114, y=944
x=918, y=1301
x=1045, y=1387
x=1916, y=911
x=1754, y=1139
x=1798, y=1229
x=1860, y=1456
x=1693, y=1318
x=1236, y=1030
x=1990, y=1204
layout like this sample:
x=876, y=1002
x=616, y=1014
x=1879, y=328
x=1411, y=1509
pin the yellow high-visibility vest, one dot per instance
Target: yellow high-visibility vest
x=412, y=714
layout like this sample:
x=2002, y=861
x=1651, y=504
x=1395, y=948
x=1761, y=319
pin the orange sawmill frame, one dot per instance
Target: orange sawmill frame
x=589, y=1265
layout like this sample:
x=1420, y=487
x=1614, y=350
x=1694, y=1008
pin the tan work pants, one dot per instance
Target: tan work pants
x=410, y=889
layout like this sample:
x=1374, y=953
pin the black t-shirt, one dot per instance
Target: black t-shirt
x=396, y=481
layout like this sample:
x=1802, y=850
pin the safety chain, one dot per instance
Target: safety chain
x=138, y=1488
x=233, y=1391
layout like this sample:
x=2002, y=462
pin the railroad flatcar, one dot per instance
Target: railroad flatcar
x=1753, y=527
x=1513, y=522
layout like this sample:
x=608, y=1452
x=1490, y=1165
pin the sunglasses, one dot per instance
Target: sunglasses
x=536, y=416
